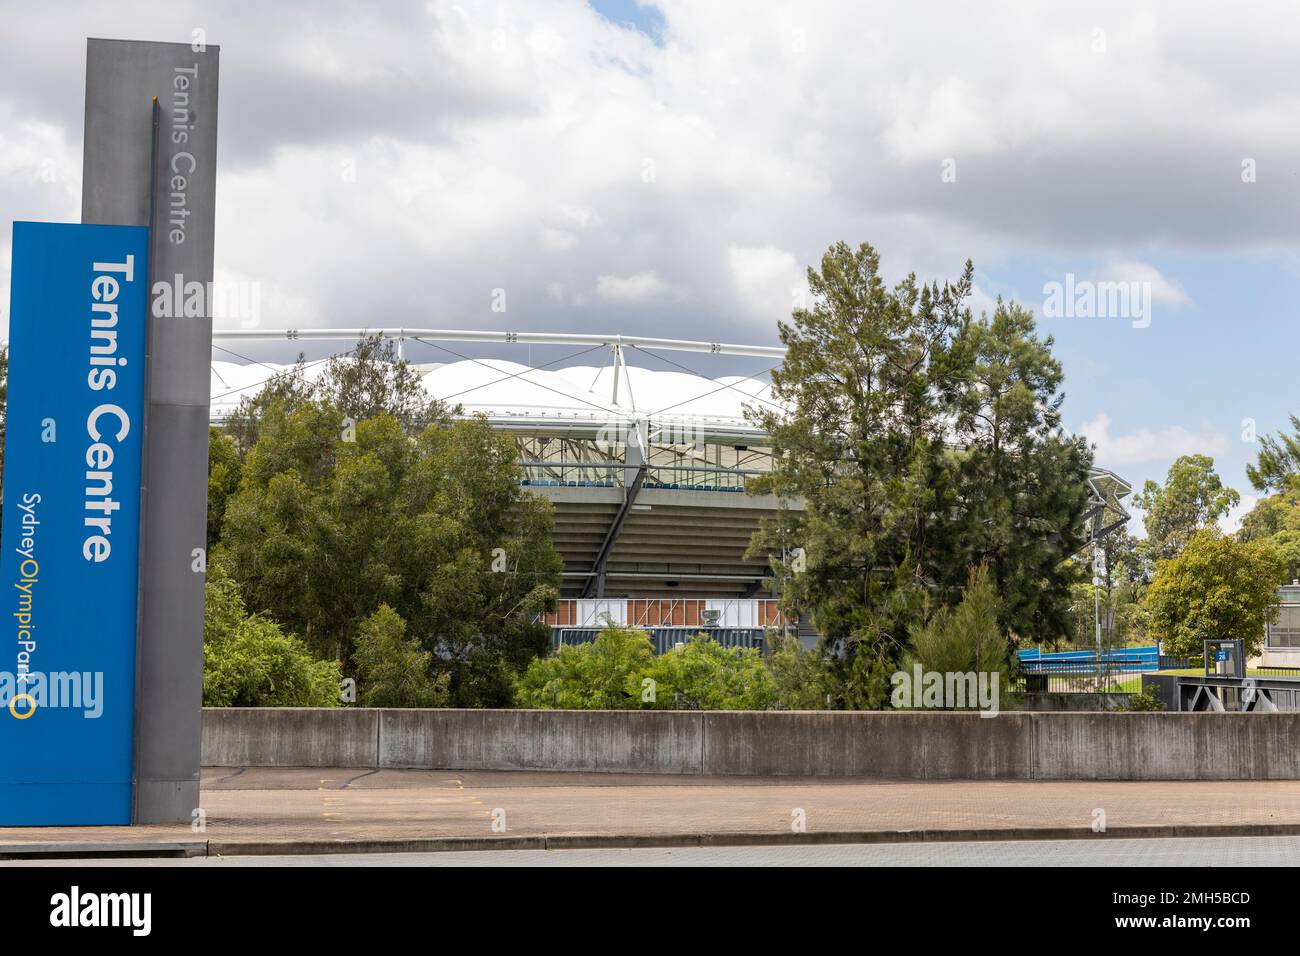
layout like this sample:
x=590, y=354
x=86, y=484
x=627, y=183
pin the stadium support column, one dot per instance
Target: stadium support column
x=633, y=477
x=121, y=185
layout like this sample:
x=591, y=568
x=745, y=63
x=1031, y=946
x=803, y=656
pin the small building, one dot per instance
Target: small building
x=1282, y=637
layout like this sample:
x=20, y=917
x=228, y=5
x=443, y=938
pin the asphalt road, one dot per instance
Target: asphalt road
x=1233, y=851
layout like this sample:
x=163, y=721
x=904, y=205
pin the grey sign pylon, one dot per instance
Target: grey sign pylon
x=121, y=185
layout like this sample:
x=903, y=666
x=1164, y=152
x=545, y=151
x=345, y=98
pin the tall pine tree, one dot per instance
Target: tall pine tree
x=921, y=442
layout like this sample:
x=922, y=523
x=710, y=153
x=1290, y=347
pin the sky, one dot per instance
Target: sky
x=671, y=169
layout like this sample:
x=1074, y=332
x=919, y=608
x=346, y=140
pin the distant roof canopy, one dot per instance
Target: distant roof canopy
x=584, y=399
x=576, y=398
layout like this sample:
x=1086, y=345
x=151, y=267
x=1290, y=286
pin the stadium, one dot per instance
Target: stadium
x=647, y=468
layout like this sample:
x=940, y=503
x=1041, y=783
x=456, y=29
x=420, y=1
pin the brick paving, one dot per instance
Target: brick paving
x=252, y=806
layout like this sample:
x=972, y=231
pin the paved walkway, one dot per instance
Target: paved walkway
x=312, y=810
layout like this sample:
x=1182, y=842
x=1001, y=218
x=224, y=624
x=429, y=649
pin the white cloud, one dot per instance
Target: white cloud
x=981, y=302
x=561, y=227
x=634, y=288
x=534, y=146
x=1150, y=445
x=558, y=240
x=941, y=121
x=1164, y=290
x=767, y=280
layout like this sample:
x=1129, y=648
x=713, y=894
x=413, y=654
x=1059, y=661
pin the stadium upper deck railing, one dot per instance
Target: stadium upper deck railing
x=612, y=475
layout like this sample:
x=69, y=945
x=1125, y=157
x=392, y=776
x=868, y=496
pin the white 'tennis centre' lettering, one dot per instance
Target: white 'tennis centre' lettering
x=104, y=289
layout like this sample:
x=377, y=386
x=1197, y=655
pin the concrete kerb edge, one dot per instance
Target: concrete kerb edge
x=125, y=848
x=581, y=841
x=743, y=838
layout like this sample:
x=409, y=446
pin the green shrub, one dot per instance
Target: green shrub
x=701, y=674
x=248, y=661
x=1144, y=700
x=606, y=674
x=620, y=671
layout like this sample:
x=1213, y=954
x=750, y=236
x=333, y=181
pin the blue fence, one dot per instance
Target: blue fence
x=1082, y=672
x=1123, y=660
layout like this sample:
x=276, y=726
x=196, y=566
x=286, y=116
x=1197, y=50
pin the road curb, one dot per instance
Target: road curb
x=602, y=841
x=56, y=849
x=621, y=841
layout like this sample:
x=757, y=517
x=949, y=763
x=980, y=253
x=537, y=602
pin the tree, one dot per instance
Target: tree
x=1126, y=564
x=1192, y=497
x=964, y=638
x=369, y=381
x=1123, y=616
x=1119, y=597
x=920, y=440
x=863, y=446
x=1022, y=484
x=248, y=661
x=1278, y=460
x=1276, y=520
x=391, y=670
x=1216, y=589
x=223, y=608
x=224, y=468
x=800, y=675
x=334, y=519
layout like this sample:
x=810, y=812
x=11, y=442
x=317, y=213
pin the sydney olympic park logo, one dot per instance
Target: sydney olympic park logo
x=23, y=695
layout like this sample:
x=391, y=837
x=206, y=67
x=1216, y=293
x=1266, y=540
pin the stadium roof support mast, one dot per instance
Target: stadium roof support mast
x=634, y=475
x=620, y=365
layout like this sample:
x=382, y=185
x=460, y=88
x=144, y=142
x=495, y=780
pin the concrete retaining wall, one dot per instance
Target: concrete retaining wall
x=612, y=741
x=1162, y=746
x=902, y=746
x=1053, y=701
x=940, y=746
x=290, y=737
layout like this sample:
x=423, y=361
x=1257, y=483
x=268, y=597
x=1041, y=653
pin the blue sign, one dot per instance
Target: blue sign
x=71, y=533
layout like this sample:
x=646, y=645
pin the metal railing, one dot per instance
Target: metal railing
x=593, y=474
x=1070, y=677
x=1269, y=671
x=1119, y=671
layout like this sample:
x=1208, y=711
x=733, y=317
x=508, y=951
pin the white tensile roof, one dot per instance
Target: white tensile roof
x=582, y=400
x=579, y=396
